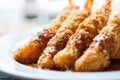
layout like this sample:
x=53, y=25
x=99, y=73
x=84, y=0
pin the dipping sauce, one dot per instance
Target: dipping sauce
x=32, y=65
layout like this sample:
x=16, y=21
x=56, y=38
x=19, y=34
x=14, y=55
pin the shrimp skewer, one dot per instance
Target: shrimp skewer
x=104, y=45
x=80, y=41
x=30, y=52
x=59, y=41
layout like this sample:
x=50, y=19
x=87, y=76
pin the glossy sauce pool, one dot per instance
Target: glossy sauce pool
x=114, y=65
x=32, y=65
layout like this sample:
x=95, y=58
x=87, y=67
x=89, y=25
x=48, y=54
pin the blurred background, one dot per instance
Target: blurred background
x=17, y=15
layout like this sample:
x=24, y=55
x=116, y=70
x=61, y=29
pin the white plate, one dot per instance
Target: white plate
x=11, y=67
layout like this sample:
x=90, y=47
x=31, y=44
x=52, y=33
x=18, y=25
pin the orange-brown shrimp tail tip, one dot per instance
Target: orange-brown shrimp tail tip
x=88, y=4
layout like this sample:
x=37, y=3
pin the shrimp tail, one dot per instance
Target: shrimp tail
x=88, y=4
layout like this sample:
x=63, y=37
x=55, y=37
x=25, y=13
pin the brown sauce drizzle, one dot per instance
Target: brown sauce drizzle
x=84, y=38
x=56, y=45
x=50, y=51
x=105, y=43
x=45, y=36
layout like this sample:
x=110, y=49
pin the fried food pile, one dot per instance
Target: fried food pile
x=30, y=52
x=58, y=42
x=77, y=39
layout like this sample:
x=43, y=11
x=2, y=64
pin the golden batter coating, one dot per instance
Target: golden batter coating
x=30, y=52
x=80, y=41
x=59, y=41
x=104, y=45
x=57, y=22
x=116, y=56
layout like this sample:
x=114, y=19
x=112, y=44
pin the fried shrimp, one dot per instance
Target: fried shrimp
x=104, y=45
x=30, y=52
x=59, y=41
x=80, y=41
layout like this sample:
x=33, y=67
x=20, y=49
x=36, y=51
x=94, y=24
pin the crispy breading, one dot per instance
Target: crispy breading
x=104, y=45
x=80, y=41
x=59, y=41
x=30, y=52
